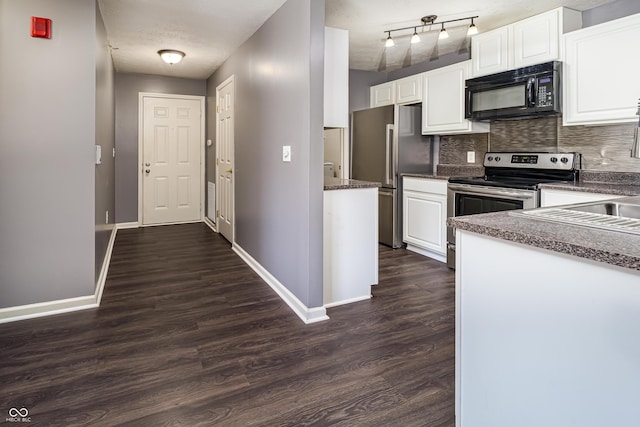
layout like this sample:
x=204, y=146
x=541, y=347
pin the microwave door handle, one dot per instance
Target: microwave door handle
x=531, y=92
x=389, y=155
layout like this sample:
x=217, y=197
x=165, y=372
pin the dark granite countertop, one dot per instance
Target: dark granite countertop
x=345, y=184
x=611, y=247
x=447, y=171
x=614, y=183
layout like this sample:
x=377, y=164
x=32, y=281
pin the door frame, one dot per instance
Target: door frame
x=141, y=96
x=230, y=79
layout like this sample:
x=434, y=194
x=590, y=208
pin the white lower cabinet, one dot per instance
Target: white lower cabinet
x=552, y=197
x=424, y=210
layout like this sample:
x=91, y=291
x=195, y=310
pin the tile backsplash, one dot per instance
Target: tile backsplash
x=603, y=148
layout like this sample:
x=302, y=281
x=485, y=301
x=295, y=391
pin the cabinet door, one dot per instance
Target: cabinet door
x=383, y=94
x=490, y=52
x=600, y=73
x=536, y=40
x=425, y=220
x=443, y=102
x=409, y=89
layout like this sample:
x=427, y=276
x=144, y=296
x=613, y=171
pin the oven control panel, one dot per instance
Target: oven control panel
x=556, y=161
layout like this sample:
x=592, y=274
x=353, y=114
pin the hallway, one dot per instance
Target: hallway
x=187, y=334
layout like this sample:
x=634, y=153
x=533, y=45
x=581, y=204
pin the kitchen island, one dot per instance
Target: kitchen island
x=547, y=319
x=350, y=251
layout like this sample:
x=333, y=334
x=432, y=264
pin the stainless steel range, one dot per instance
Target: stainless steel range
x=510, y=182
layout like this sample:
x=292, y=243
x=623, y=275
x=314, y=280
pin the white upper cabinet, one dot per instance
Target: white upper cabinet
x=490, y=52
x=382, y=94
x=443, y=101
x=531, y=41
x=601, y=73
x=336, y=78
x=409, y=89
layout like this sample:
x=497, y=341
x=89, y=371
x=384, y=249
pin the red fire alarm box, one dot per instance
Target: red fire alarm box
x=40, y=27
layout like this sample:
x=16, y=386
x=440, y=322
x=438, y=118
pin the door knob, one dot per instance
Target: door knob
x=147, y=164
x=148, y=170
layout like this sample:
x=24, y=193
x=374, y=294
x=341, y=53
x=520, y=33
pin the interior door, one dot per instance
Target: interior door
x=171, y=160
x=224, y=160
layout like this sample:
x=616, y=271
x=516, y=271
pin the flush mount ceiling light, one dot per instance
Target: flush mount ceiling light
x=430, y=20
x=171, y=56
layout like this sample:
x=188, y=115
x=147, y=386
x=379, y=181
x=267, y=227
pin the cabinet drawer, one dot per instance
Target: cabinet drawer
x=426, y=185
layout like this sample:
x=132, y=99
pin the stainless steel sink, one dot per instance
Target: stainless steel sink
x=607, y=215
x=623, y=210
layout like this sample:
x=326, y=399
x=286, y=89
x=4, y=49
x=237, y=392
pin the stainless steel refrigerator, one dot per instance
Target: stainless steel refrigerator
x=385, y=143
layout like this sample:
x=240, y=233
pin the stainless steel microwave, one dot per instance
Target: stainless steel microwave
x=524, y=92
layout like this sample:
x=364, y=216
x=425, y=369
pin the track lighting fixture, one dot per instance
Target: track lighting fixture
x=389, y=41
x=473, y=30
x=415, y=38
x=443, y=33
x=431, y=20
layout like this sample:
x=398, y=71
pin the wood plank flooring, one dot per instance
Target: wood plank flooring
x=188, y=335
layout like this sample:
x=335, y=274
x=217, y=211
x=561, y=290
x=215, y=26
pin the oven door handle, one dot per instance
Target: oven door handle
x=488, y=191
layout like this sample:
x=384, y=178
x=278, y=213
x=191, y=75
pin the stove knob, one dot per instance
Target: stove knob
x=490, y=158
x=564, y=160
x=554, y=160
x=497, y=158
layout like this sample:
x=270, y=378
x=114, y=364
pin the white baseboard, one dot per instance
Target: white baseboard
x=49, y=308
x=347, y=301
x=424, y=252
x=125, y=225
x=210, y=223
x=102, y=278
x=308, y=315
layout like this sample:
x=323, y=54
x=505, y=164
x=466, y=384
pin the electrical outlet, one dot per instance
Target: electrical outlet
x=471, y=156
x=286, y=153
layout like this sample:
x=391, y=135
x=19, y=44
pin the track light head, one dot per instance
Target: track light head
x=389, y=42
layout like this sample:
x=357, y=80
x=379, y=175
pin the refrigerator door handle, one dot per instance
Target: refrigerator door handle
x=389, y=155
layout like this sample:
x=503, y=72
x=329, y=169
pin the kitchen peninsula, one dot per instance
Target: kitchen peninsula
x=546, y=322
x=350, y=252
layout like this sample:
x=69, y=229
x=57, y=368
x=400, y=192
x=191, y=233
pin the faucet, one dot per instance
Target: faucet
x=635, y=145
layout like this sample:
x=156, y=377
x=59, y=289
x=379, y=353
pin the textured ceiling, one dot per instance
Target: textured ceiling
x=209, y=31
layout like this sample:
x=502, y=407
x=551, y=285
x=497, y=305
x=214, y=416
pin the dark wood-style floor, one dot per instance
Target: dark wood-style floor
x=188, y=335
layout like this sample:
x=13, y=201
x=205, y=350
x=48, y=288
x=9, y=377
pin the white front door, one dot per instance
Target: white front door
x=224, y=158
x=171, y=159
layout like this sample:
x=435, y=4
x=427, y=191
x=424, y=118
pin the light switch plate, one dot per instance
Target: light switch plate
x=286, y=153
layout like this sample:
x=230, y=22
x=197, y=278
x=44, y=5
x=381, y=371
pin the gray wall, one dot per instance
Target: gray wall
x=609, y=12
x=47, y=136
x=105, y=192
x=359, y=84
x=127, y=88
x=279, y=101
